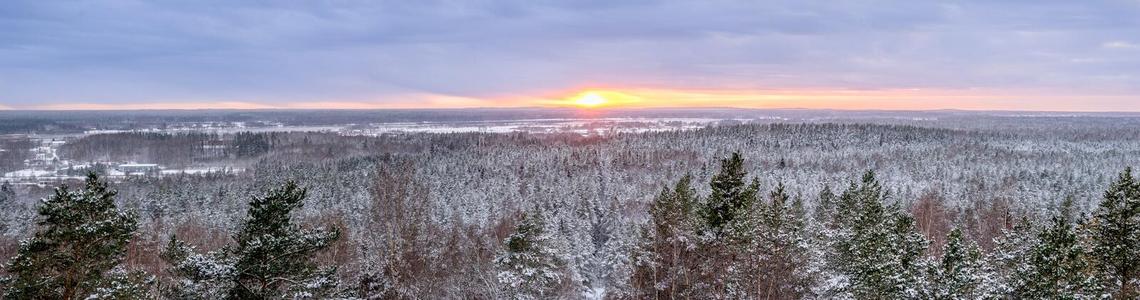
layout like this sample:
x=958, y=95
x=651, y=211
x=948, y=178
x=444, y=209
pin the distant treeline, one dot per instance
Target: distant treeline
x=163, y=148
x=13, y=152
x=23, y=122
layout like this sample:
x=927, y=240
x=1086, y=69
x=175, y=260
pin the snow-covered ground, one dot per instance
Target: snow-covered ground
x=40, y=175
x=201, y=170
x=28, y=173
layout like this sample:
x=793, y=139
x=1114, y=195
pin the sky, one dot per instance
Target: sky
x=978, y=55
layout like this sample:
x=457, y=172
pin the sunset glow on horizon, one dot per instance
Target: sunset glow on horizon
x=638, y=98
x=590, y=99
x=906, y=99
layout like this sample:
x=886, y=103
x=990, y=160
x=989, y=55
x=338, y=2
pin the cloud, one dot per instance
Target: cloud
x=277, y=53
x=1120, y=45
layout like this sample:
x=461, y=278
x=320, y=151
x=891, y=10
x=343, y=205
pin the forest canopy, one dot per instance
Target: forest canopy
x=785, y=211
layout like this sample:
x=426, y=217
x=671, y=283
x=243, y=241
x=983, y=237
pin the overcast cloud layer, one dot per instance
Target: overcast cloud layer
x=274, y=52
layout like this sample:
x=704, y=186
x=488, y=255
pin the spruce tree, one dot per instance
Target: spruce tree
x=1008, y=260
x=727, y=232
x=730, y=197
x=878, y=247
x=781, y=247
x=529, y=267
x=959, y=272
x=271, y=256
x=1115, y=231
x=80, y=238
x=905, y=263
x=825, y=208
x=823, y=236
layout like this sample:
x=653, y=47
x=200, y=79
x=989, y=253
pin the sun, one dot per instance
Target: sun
x=595, y=99
x=590, y=99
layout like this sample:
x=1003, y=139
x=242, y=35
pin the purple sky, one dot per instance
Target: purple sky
x=1032, y=55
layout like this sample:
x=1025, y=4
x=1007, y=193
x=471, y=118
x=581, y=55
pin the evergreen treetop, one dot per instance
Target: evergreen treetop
x=1115, y=231
x=730, y=197
x=80, y=238
x=1058, y=265
x=958, y=274
x=877, y=245
x=529, y=268
x=271, y=257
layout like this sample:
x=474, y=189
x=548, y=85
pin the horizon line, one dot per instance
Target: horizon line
x=597, y=109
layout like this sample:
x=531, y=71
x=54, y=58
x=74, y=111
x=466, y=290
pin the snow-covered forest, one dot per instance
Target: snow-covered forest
x=871, y=208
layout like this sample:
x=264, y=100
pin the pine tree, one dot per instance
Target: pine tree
x=80, y=240
x=672, y=210
x=1115, y=230
x=664, y=263
x=959, y=273
x=705, y=256
x=122, y=284
x=199, y=276
x=1058, y=266
x=271, y=257
x=529, y=267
